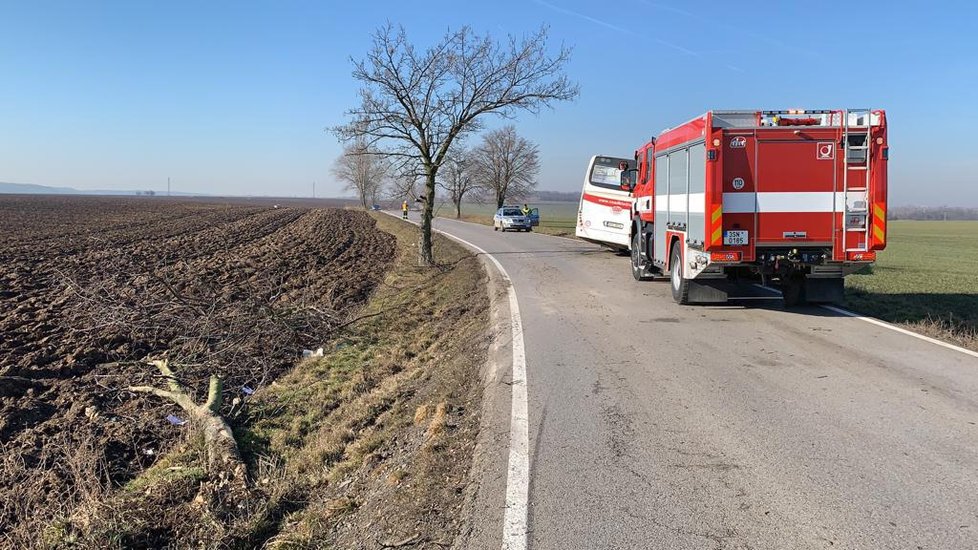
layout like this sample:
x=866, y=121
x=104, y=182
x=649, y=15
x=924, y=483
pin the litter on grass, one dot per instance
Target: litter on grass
x=175, y=420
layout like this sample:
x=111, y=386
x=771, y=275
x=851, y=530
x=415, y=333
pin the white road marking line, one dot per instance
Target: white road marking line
x=518, y=477
x=886, y=325
x=515, y=518
x=769, y=289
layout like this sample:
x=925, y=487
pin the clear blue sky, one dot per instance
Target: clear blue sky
x=233, y=97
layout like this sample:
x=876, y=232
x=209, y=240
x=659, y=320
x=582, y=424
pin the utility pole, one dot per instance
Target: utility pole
x=168, y=186
x=314, y=189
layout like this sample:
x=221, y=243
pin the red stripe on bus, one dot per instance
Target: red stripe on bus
x=604, y=201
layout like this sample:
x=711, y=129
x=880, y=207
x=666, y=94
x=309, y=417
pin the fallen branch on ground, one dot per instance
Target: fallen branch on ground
x=223, y=458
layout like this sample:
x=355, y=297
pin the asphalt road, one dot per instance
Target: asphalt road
x=654, y=425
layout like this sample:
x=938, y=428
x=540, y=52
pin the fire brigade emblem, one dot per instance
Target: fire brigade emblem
x=738, y=183
x=738, y=142
x=825, y=151
x=616, y=210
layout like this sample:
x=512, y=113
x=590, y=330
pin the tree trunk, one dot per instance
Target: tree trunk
x=426, y=256
x=458, y=208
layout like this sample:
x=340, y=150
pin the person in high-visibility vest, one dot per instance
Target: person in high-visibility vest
x=404, y=210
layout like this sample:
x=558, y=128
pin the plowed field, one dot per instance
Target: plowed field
x=91, y=288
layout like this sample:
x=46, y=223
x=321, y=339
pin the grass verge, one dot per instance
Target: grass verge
x=924, y=280
x=366, y=446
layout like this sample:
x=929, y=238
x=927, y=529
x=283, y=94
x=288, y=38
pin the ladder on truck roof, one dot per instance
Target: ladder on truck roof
x=856, y=144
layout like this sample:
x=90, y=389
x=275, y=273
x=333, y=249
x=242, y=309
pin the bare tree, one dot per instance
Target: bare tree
x=363, y=169
x=507, y=164
x=458, y=178
x=405, y=186
x=419, y=102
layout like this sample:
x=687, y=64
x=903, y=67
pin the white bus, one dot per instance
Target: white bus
x=605, y=213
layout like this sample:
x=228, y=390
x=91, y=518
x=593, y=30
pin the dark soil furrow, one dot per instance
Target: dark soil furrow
x=91, y=287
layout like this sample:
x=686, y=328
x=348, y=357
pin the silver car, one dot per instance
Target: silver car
x=511, y=217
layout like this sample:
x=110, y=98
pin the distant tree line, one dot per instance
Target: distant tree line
x=502, y=167
x=557, y=196
x=932, y=213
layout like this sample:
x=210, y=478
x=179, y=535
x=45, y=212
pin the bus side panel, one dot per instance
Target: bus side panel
x=605, y=218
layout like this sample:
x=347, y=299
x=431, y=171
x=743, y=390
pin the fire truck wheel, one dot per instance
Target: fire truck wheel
x=638, y=270
x=793, y=291
x=680, y=285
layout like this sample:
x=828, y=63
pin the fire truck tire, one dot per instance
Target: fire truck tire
x=793, y=291
x=679, y=283
x=638, y=270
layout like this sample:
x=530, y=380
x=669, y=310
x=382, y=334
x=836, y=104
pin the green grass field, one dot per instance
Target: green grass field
x=926, y=278
x=556, y=218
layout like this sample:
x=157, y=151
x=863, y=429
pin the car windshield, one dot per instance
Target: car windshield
x=512, y=212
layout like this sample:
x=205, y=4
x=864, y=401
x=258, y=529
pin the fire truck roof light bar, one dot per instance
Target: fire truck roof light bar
x=800, y=112
x=787, y=111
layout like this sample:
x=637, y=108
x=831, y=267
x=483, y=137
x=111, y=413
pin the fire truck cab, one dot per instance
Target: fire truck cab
x=793, y=197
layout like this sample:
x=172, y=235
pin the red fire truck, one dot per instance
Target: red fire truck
x=796, y=198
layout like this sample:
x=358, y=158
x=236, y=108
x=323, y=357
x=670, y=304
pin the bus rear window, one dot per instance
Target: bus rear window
x=605, y=172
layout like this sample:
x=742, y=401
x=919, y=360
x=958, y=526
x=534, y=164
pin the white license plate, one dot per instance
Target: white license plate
x=735, y=238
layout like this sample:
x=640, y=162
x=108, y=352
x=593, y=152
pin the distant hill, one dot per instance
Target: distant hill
x=932, y=213
x=557, y=196
x=34, y=189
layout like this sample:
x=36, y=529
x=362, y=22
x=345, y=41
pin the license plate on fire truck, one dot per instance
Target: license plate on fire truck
x=735, y=238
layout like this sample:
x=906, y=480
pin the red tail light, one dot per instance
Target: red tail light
x=724, y=256
x=861, y=256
